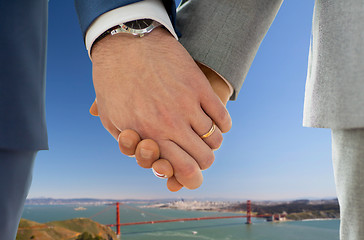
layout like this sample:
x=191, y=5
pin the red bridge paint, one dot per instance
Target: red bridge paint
x=248, y=217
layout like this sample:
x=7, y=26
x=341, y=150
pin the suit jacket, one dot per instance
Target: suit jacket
x=335, y=80
x=22, y=66
x=22, y=69
x=226, y=34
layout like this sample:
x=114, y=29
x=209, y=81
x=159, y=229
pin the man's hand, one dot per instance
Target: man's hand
x=153, y=86
x=131, y=144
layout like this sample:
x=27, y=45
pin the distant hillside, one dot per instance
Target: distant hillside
x=297, y=210
x=87, y=201
x=62, y=230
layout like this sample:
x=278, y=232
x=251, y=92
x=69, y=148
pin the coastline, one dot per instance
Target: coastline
x=318, y=219
x=300, y=210
x=213, y=230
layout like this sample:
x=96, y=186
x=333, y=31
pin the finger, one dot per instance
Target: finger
x=173, y=185
x=217, y=83
x=162, y=168
x=146, y=153
x=192, y=144
x=128, y=140
x=203, y=126
x=93, y=109
x=216, y=110
x=185, y=168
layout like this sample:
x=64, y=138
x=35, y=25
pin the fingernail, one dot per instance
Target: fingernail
x=126, y=142
x=146, y=153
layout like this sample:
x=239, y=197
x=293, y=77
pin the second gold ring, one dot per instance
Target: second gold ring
x=210, y=132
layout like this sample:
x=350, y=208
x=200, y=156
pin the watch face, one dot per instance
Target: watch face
x=139, y=24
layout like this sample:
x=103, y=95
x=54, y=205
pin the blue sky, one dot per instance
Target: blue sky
x=266, y=155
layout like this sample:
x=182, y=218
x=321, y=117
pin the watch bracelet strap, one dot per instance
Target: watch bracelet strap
x=108, y=32
x=104, y=34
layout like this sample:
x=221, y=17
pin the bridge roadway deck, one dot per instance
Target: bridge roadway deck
x=188, y=219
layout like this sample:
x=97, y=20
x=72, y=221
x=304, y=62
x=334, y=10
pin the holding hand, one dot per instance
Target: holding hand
x=130, y=142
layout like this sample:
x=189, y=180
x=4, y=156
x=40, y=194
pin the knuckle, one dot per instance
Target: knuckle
x=216, y=142
x=223, y=118
x=142, y=163
x=125, y=150
x=151, y=130
x=207, y=160
x=167, y=121
x=149, y=144
x=187, y=102
x=194, y=184
x=189, y=172
x=146, y=129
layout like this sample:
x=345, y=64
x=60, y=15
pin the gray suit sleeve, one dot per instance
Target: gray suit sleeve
x=226, y=34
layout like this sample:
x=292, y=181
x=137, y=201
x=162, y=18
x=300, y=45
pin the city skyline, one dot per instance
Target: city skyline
x=267, y=154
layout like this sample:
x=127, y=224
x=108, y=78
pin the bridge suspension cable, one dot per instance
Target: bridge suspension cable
x=102, y=211
x=145, y=212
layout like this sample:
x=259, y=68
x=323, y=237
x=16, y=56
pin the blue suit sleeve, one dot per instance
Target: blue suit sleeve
x=89, y=10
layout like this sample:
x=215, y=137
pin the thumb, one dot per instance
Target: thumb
x=93, y=109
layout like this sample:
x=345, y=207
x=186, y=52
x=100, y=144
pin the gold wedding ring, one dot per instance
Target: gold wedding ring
x=159, y=175
x=210, y=132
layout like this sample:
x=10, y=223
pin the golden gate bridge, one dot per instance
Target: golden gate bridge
x=249, y=215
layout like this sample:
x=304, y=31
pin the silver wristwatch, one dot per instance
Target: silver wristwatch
x=138, y=27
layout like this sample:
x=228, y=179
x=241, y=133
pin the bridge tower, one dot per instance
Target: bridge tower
x=249, y=212
x=117, y=220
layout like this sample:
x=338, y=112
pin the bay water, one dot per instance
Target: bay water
x=219, y=229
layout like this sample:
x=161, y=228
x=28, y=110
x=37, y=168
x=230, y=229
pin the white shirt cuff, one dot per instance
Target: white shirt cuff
x=153, y=9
